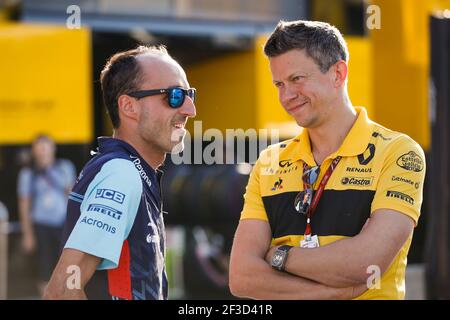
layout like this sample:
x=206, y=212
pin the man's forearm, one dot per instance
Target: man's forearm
x=58, y=288
x=25, y=217
x=340, y=264
x=61, y=286
x=257, y=280
x=63, y=293
x=346, y=262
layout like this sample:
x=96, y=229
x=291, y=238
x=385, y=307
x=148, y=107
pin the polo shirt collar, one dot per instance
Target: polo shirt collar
x=109, y=144
x=354, y=143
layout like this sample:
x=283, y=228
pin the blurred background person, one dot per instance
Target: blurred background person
x=42, y=190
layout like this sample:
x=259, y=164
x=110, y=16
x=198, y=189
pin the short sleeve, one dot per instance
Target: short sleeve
x=107, y=212
x=253, y=204
x=400, y=186
x=24, y=182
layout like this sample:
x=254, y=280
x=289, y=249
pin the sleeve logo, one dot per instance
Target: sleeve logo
x=110, y=195
x=401, y=196
x=113, y=213
x=411, y=162
x=99, y=224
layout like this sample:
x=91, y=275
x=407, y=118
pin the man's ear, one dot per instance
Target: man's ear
x=340, y=73
x=127, y=107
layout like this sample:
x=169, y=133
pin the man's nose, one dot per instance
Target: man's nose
x=288, y=94
x=188, y=108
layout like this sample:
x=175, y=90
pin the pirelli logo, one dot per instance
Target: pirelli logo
x=113, y=213
x=399, y=195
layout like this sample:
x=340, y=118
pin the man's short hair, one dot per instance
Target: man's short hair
x=42, y=137
x=122, y=74
x=321, y=41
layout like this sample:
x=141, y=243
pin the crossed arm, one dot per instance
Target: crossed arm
x=252, y=277
x=335, y=271
x=345, y=263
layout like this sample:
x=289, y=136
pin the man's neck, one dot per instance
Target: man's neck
x=329, y=136
x=151, y=155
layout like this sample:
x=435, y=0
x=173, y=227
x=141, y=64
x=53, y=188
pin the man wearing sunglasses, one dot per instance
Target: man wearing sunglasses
x=114, y=235
x=350, y=239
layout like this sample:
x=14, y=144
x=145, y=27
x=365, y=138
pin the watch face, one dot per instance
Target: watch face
x=277, y=258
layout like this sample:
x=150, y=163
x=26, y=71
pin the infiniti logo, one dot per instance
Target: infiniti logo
x=285, y=163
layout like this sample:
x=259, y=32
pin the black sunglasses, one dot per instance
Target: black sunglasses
x=175, y=96
x=304, y=198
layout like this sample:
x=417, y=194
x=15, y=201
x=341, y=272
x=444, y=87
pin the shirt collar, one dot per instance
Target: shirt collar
x=354, y=143
x=109, y=144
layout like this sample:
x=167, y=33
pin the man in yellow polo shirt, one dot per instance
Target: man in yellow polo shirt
x=329, y=214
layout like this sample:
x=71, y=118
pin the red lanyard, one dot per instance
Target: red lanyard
x=317, y=194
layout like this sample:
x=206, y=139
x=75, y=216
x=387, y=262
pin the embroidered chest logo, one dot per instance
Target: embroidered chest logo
x=285, y=163
x=142, y=173
x=277, y=185
x=367, y=156
x=286, y=167
x=377, y=134
x=357, y=181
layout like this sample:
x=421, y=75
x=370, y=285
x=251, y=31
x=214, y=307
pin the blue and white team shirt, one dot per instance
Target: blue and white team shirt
x=115, y=213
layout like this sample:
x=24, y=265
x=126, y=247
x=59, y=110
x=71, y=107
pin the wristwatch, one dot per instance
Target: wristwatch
x=279, y=257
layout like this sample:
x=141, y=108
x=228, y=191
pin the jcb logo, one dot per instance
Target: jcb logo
x=110, y=195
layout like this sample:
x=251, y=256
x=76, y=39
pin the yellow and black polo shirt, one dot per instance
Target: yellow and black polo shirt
x=380, y=168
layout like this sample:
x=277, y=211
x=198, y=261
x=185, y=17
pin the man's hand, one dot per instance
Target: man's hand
x=28, y=243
